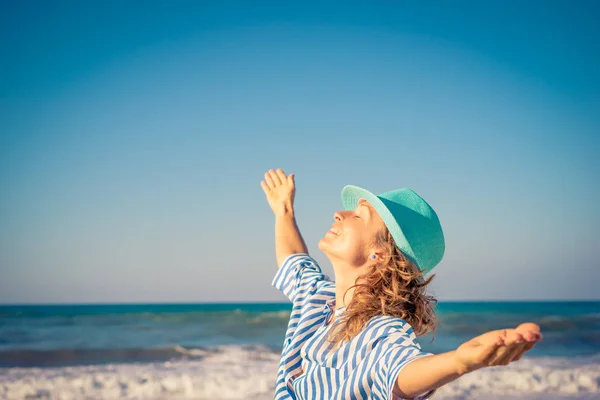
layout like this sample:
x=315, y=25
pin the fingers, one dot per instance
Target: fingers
x=498, y=346
x=530, y=341
x=281, y=175
x=269, y=180
x=530, y=331
x=264, y=186
x=531, y=334
x=274, y=178
x=528, y=327
x=491, y=350
x=516, y=343
x=513, y=346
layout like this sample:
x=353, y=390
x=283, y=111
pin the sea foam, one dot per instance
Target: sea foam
x=240, y=372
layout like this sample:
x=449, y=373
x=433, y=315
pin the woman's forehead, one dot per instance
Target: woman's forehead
x=366, y=204
x=372, y=211
x=363, y=202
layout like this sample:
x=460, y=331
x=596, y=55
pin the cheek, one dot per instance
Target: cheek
x=352, y=246
x=356, y=239
x=355, y=248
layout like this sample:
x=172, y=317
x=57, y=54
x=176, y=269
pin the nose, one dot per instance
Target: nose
x=338, y=216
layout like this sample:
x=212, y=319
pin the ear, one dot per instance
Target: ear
x=376, y=256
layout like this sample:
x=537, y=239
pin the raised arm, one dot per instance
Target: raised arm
x=280, y=191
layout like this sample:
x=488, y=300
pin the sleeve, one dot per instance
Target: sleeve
x=401, y=349
x=299, y=277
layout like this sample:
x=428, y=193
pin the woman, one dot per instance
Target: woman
x=355, y=338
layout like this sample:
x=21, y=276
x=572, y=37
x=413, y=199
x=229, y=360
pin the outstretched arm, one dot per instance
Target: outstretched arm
x=492, y=348
x=280, y=191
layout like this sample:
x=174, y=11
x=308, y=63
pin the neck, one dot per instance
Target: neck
x=341, y=288
x=345, y=278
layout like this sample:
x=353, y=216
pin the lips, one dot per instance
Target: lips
x=335, y=231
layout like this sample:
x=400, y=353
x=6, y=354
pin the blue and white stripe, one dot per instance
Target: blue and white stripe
x=364, y=368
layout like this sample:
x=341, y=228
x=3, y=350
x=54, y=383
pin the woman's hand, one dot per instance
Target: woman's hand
x=280, y=191
x=497, y=347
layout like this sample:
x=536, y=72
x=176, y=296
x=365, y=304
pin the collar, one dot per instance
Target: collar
x=330, y=305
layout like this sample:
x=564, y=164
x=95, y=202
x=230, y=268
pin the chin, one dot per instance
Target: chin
x=328, y=248
x=323, y=245
x=320, y=245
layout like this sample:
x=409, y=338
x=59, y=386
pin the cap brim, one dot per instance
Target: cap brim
x=350, y=197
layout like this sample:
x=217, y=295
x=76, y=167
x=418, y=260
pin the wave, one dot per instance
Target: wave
x=267, y=318
x=235, y=372
x=75, y=357
x=451, y=322
x=162, y=317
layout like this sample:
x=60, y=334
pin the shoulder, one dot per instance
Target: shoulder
x=392, y=330
x=299, y=259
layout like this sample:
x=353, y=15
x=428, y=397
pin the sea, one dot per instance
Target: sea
x=231, y=351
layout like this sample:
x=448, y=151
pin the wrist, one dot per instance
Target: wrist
x=286, y=211
x=460, y=367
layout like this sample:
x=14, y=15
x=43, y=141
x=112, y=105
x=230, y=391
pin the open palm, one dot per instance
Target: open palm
x=498, y=347
x=280, y=190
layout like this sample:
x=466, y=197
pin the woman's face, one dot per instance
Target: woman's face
x=352, y=236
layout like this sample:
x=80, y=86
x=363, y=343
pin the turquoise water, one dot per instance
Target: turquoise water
x=60, y=335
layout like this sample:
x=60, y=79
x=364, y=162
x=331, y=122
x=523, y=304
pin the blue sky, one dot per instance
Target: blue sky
x=133, y=139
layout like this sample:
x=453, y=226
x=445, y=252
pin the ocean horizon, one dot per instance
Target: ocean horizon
x=511, y=300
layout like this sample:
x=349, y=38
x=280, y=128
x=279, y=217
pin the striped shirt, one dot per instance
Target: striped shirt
x=364, y=368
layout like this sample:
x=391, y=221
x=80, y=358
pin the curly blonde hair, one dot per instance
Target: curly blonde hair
x=396, y=288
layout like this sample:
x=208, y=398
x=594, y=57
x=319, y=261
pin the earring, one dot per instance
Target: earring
x=373, y=256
